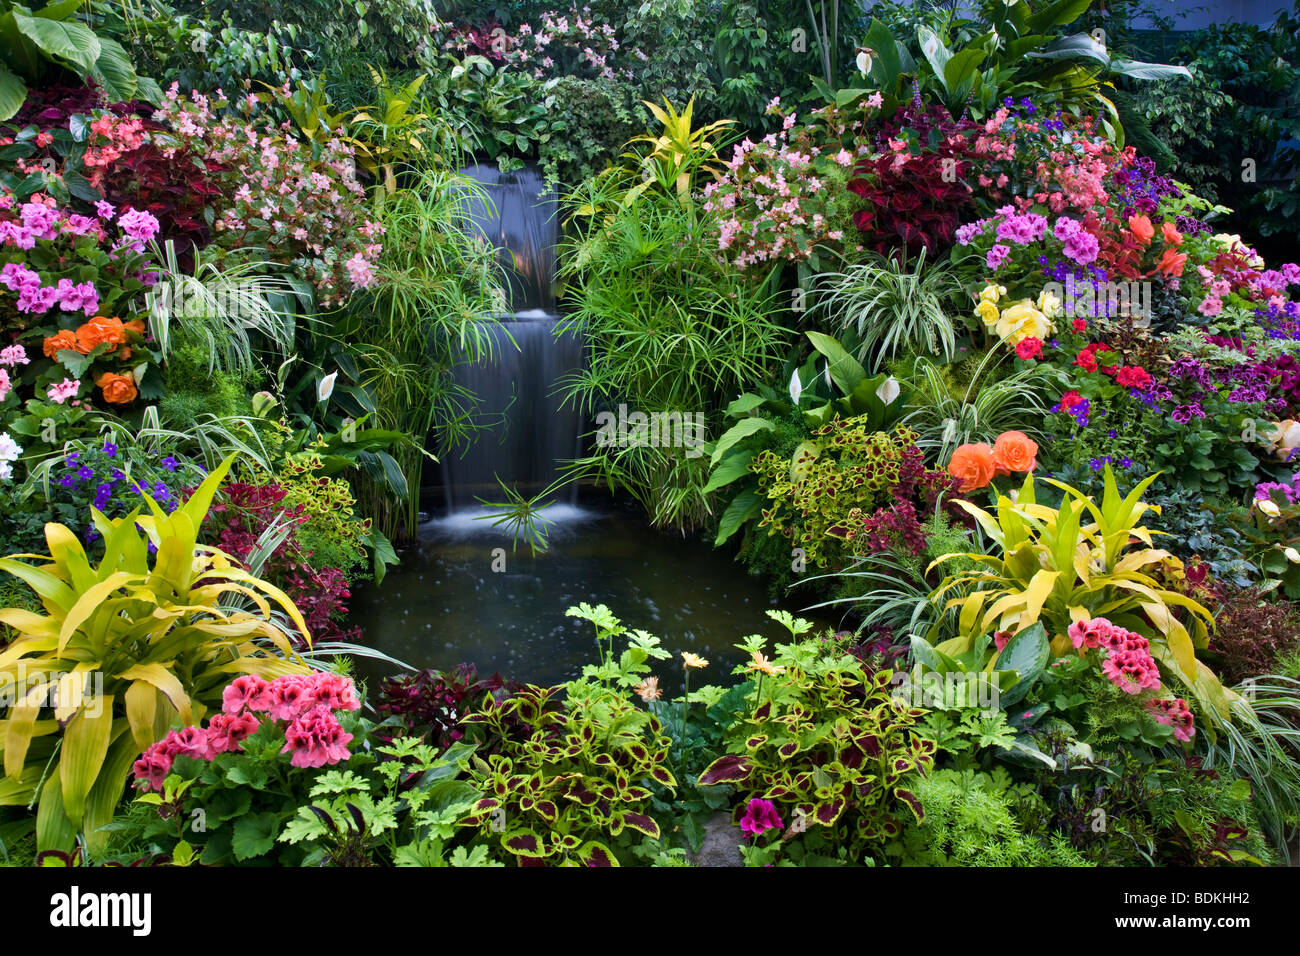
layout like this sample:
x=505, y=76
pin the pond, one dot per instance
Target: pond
x=445, y=605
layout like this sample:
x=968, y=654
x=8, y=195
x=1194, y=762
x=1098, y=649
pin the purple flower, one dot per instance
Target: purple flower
x=760, y=816
x=169, y=463
x=109, y=449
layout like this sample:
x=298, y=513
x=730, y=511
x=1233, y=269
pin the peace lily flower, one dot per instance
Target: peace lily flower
x=796, y=387
x=889, y=390
x=864, y=61
x=325, y=387
x=1268, y=507
x=1292, y=555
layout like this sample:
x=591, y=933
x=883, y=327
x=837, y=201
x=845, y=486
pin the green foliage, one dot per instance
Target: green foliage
x=194, y=389
x=35, y=46
x=893, y=307
x=156, y=631
x=819, y=498
x=825, y=741
x=591, y=120
x=668, y=328
x=974, y=819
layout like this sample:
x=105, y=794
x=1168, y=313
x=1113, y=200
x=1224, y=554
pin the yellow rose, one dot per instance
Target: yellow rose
x=991, y=292
x=987, y=311
x=1050, y=304
x=1021, y=321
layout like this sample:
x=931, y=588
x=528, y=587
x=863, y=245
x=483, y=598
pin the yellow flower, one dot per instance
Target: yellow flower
x=1049, y=303
x=694, y=660
x=987, y=311
x=1021, y=321
x=761, y=663
x=1268, y=507
x=648, y=689
x=992, y=292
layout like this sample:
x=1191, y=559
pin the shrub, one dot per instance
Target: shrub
x=160, y=635
x=824, y=741
x=1251, y=632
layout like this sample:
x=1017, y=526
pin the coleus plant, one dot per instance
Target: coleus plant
x=827, y=743
x=574, y=784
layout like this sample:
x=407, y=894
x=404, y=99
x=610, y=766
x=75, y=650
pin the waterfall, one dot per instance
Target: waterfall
x=528, y=432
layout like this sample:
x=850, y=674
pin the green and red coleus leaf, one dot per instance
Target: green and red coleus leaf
x=731, y=768
x=596, y=854
x=641, y=822
x=908, y=798
x=525, y=843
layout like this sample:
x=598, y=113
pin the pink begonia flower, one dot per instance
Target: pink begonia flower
x=246, y=692
x=14, y=355
x=225, y=731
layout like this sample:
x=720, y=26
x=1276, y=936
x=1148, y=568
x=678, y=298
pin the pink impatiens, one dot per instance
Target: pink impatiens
x=305, y=702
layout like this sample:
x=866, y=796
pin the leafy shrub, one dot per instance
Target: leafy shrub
x=974, y=818
x=431, y=704
x=569, y=769
x=1251, y=632
x=826, y=743
x=161, y=638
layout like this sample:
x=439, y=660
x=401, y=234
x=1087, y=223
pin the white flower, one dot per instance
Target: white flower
x=796, y=387
x=864, y=62
x=1292, y=555
x=888, y=390
x=1268, y=507
x=325, y=387
x=9, y=449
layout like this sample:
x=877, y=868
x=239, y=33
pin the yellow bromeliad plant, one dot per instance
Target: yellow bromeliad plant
x=122, y=650
x=1076, y=562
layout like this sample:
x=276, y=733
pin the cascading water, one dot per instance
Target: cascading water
x=527, y=432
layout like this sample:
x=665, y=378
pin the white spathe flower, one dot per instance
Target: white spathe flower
x=325, y=387
x=796, y=387
x=888, y=390
x=864, y=62
x=9, y=449
x=1292, y=555
x=1268, y=507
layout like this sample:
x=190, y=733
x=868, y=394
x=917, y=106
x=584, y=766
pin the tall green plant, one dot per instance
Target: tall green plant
x=434, y=305
x=668, y=329
x=152, y=627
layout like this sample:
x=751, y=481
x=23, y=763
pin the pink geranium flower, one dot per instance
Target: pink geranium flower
x=760, y=816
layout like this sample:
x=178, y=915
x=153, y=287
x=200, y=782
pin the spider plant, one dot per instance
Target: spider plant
x=895, y=307
x=983, y=411
x=218, y=305
x=1262, y=744
x=523, y=517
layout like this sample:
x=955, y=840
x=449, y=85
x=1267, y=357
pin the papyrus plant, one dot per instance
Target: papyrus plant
x=123, y=648
x=1056, y=566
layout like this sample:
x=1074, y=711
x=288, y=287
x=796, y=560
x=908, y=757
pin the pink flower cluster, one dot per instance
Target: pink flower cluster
x=1173, y=713
x=1128, y=664
x=306, y=703
x=307, y=209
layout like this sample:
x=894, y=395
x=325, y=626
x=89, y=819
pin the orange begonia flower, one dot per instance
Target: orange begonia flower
x=1142, y=229
x=60, y=341
x=99, y=330
x=1014, y=451
x=1171, y=263
x=1171, y=234
x=118, y=389
x=973, y=466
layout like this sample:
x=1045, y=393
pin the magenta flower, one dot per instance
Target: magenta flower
x=760, y=816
